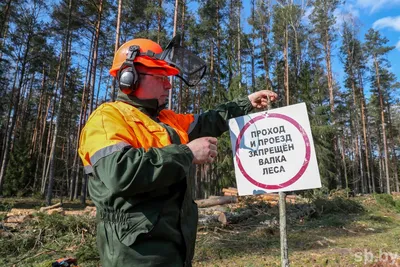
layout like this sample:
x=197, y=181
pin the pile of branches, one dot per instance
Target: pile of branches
x=42, y=236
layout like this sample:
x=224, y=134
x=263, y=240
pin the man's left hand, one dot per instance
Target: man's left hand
x=260, y=99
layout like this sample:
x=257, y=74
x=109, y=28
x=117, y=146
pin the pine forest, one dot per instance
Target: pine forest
x=54, y=63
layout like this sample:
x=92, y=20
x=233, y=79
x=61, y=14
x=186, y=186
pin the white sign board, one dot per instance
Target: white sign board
x=274, y=151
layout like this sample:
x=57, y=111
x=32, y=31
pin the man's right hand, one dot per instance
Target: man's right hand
x=204, y=149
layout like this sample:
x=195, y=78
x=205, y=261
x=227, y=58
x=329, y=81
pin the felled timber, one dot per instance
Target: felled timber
x=42, y=209
x=202, y=203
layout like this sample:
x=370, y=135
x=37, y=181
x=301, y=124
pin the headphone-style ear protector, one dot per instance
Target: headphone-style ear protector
x=128, y=78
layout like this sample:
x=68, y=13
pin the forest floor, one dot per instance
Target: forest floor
x=329, y=231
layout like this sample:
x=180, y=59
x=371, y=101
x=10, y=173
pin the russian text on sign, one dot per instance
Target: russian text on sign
x=274, y=130
x=272, y=170
x=272, y=160
x=271, y=150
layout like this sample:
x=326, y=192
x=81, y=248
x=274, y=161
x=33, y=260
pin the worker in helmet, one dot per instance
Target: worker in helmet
x=138, y=155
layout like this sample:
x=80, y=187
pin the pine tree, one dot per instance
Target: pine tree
x=375, y=47
x=27, y=26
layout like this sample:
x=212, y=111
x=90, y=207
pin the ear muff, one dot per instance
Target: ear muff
x=128, y=78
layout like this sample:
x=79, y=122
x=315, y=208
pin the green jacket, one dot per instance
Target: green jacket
x=138, y=167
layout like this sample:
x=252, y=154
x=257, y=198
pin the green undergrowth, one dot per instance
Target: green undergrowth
x=387, y=201
x=330, y=231
x=325, y=231
x=45, y=238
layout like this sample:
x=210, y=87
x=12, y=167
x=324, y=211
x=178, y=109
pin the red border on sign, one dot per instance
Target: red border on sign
x=306, y=158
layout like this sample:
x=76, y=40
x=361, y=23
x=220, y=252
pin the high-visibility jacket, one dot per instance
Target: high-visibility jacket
x=138, y=167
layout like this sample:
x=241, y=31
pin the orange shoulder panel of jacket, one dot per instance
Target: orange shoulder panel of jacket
x=105, y=127
x=148, y=132
x=180, y=122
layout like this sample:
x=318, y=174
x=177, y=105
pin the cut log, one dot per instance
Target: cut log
x=229, y=194
x=15, y=211
x=213, y=210
x=202, y=203
x=225, y=217
x=56, y=211
x=231, y=191
x=14, y=221
x=42, y=209
x=222, y=219
x=275, y=197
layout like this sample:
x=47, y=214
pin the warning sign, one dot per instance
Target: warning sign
x=273, y=151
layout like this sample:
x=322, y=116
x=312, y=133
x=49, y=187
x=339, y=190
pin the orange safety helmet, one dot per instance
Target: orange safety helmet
x=157, y=66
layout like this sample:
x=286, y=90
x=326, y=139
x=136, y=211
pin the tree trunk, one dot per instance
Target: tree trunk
x=9, y=138
x=99, y=83
x=327, y=50
x=174, y=33
x=75, y=165
x=380, y=159
x=182, y=101
x=239, y=55
x=3, y=26
x=91, y=85
x=116, y=45
x=159, y=19
x=286, y=60
x=36, y=129
x=364, y=120
x=95, y=51
x=382, y=110
x=46, y=165
x=354, y=122
x=42, y=129
x=393, y=149
x=52, y=156
x=218, y=68
x=82, y=120
x=24, y=112
x=253, y=34
x=10, y=108
x=344, y=163
x=265, y=26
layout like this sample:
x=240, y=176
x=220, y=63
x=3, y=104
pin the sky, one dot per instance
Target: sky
x=382, y=15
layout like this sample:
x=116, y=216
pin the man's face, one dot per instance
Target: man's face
x=153, y=86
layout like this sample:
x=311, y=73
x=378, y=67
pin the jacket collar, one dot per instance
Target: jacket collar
x=148, y=106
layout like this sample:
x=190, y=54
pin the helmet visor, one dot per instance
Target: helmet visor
x=191, y=67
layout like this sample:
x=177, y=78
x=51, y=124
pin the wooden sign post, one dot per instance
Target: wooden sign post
x=273, y=151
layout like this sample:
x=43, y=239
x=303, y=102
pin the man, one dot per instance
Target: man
x=138, y=155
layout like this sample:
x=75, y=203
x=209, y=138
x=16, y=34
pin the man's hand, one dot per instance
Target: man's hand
x=260, y=99
x=204, y=149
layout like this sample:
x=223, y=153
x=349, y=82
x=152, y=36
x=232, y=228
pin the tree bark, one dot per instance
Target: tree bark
x=9, y=138
x=116, y=45
x=10, y=108
x=239, y=41
x=382, y=110
x=95, y=52
x=159, y=19
x=174, y=33
x=202, y=203
x=286, y=61
x=253, y=34
x=3, y=25
x=92, y=83
x=52, y=156
x=393, y=149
